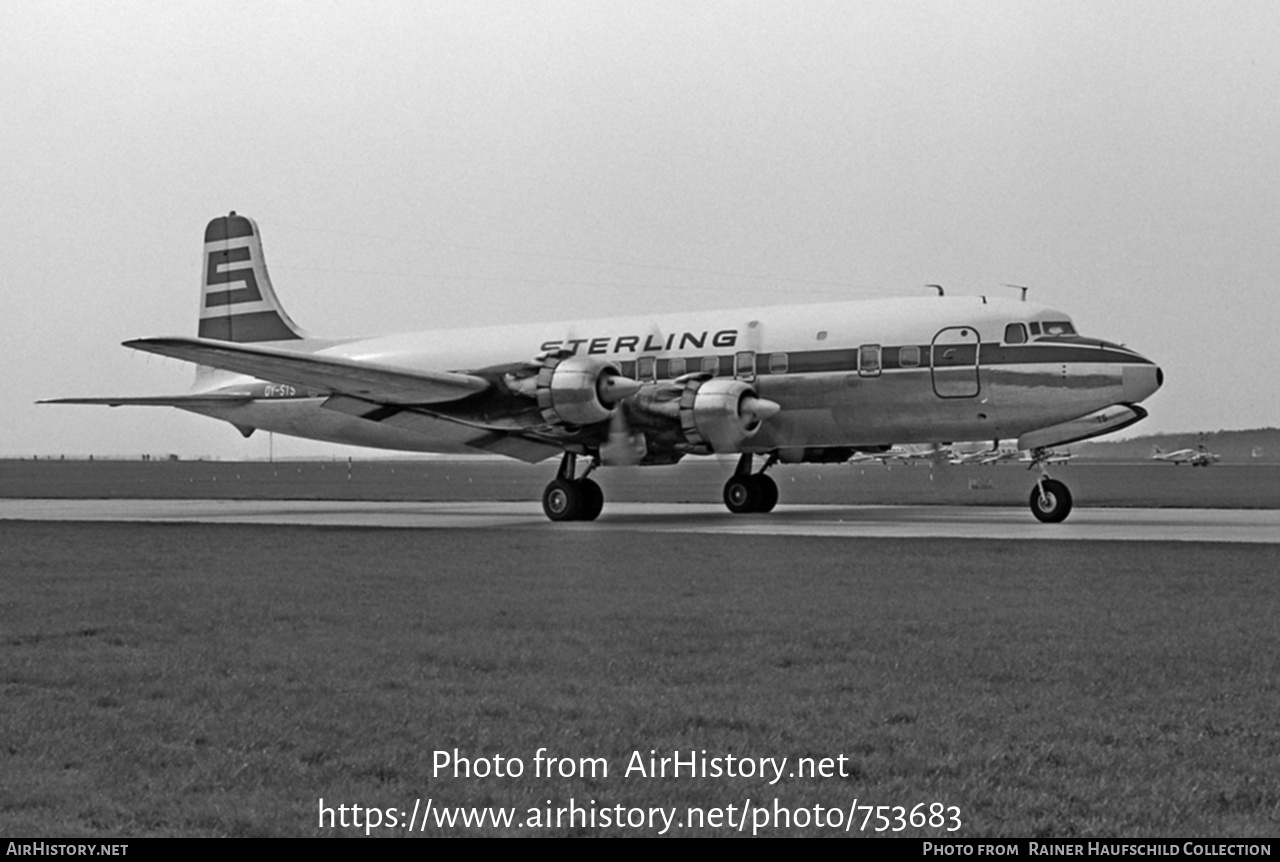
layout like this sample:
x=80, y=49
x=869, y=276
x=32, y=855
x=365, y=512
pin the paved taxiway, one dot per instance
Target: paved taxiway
x=970, y=522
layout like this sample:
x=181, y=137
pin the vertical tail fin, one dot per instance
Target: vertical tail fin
x=237, y=302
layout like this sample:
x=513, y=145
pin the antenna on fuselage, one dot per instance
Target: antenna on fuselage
x=1021, y=288
x=938, y=288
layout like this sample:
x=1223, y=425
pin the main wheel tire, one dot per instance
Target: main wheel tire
x=1050, y=501
x=562, y=500
x=742, y=494
x=768, y=493
x=592, y=500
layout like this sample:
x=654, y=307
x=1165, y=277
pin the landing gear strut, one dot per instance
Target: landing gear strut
x=751, y=492
x=570, y=499
x=1050, y=499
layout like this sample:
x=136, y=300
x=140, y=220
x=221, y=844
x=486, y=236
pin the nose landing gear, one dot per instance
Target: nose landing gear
x=1050, y=499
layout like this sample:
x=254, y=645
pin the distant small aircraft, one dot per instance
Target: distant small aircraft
x=999, y=450
x=791, y=385
x=1197, y=457
x=1050, y=457
x=903, y=454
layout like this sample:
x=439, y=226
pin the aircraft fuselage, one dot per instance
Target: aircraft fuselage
x=853, y=374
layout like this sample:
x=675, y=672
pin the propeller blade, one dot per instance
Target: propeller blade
x=623, y=448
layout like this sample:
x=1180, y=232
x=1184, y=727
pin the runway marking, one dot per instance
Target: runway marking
x=963, y=522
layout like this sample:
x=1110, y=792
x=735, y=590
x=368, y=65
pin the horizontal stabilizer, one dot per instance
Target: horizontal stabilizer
x=370, y=381
x=158, y=401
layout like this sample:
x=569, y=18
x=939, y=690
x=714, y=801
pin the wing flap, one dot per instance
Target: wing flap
x=365, y=380
x=500, y=442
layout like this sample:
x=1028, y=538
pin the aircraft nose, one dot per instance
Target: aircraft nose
x=1141, y=382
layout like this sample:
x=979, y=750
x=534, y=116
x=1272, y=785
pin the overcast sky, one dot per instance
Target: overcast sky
x=444, y=164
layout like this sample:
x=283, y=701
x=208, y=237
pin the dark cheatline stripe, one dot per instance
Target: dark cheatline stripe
x=228, y=227
x=258, y=326
x=962, y=356
x=993, y=354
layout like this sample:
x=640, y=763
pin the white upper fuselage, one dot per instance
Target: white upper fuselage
x=862, y=374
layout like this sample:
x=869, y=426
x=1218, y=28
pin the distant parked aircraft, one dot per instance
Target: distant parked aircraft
x=903, y=454
x=999, y=450
x=1197, y=457
x=1050, y=457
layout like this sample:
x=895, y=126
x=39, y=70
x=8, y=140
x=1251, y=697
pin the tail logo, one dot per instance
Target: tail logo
x=217, y=275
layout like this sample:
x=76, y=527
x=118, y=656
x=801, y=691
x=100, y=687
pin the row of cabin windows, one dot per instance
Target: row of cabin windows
x=677, y=366
x=870, y=362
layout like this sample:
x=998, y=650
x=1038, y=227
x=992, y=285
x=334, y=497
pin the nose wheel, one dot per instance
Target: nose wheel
x=1050, y=499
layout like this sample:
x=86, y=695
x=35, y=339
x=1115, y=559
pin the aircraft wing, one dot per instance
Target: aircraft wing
x=369, y=381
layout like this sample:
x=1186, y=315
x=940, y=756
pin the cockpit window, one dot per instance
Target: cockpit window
x=1015, y=333
x=1035, y=328
x=1059, y=327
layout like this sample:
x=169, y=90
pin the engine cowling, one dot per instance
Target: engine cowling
x=581, y=390
x=722, y=414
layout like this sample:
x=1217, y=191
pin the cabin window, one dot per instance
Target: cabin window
x=711, y=365
x=909, y=357
x=822, y=335
x=675, y=368
x=646, y=368
x=744, y=364
x=869, y=360
x=777, y=363
x=1015, y=333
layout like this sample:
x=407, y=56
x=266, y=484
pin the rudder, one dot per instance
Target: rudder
x=237, y=302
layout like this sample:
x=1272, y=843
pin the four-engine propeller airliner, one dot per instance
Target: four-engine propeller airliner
x=790, y=385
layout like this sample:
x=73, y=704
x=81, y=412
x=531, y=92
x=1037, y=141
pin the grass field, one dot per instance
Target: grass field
x=219, y=680
x=1248, y=486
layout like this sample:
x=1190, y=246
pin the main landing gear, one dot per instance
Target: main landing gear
x=751, y=492
x=1050, y=499
x=570, y=499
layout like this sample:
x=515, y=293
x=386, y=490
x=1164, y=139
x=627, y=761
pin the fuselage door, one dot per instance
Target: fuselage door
x=955, y=362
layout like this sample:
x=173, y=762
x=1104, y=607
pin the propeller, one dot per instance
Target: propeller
x=623, y=447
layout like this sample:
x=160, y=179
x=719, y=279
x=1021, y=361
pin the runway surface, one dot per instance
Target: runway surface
x=968, y=522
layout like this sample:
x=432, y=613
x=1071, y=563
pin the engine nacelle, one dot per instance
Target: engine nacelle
x=722, y=414
x=580, y=390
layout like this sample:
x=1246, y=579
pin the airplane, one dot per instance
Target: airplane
x=1197, y=457
x=1050, y=457
x=998, y=451
x=900, y=454
x=794, y=384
